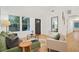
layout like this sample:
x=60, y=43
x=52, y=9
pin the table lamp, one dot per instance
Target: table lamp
x=6, y=23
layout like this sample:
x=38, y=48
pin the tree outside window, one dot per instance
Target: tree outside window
x=15, y=23
x=25, y=23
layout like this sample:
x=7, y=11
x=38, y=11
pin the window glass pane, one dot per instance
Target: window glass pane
x=15, y=23
x=76, y=25
x=25, y=23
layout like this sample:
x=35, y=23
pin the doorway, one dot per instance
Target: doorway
x=37, y=26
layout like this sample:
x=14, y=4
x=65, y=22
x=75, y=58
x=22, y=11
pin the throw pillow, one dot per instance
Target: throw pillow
x=5, y=34
x=57, y=37
x=12, y=41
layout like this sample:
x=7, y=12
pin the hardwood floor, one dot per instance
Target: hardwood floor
x=72, y=44
x=73, y=41
x=42, y=39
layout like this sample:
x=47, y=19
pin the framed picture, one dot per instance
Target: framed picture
x=54, y=24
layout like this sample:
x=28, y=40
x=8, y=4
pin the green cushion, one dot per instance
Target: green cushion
x=15, y=49
x=35, y=45
x=35, y=50
x=2, y=43
x=5, y=34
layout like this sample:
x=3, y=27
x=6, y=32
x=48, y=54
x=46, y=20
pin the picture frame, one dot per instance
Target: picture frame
x=54, y=24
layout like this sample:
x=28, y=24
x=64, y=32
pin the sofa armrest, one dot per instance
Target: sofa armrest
x=15, y=49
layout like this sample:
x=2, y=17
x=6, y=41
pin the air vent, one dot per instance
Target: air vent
x=68, y=11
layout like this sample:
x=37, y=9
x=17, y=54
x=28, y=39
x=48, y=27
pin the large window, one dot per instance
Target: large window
x=25, y=23
x=15, y=23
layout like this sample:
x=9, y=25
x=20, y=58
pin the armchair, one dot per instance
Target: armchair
x=57, y=44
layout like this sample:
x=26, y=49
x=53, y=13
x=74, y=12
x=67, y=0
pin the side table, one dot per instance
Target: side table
x=25, y=45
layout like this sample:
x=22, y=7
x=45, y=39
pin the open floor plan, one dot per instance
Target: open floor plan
x=39, y=28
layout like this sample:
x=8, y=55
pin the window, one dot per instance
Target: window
x=15, y=23
x=76, y=24
x=25, y=23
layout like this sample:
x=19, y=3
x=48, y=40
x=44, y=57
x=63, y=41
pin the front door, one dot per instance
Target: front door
x=37, y=26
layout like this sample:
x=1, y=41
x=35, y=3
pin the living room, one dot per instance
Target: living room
x=54, y=22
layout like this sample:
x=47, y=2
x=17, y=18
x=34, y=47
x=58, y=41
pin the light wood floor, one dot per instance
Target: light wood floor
x=42, y=39
x=73, y=41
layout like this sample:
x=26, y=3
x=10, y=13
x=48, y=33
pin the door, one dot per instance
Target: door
x=37, y=26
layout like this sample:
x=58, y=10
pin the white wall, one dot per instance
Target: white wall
x=0, y=19
x=43, y=13
x=29, y=13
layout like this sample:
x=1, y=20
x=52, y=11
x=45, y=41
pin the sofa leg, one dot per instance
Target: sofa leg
x=48, y=50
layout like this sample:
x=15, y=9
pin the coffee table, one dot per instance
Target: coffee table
x=25, y=45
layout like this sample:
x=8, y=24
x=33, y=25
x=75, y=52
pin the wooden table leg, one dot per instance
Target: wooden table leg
x=29, y=48
x=23, y=49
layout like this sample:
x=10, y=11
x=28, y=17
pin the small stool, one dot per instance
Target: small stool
x=25, y=45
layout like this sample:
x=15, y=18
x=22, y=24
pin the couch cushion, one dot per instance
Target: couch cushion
x=5, y=34
x=12, y=41
x=58, y=45
x=62, y=37
x=35, y=44
x=2, y=43
x=57, y=37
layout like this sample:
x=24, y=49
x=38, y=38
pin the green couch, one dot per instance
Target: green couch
x=3, y=47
